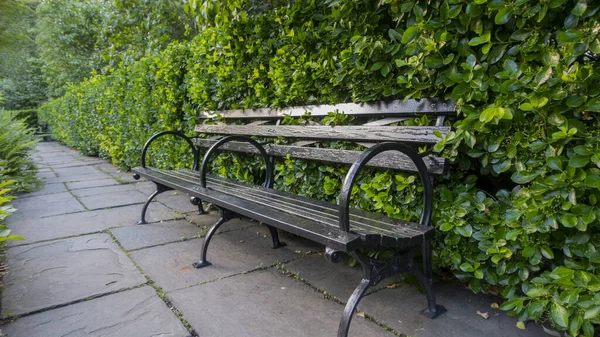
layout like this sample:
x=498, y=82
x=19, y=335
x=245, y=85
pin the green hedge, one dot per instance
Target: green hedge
x=518, y=212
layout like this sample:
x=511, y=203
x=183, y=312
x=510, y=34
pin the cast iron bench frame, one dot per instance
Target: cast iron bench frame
x=355, y=231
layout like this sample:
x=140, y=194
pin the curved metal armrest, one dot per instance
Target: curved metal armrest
x=344, y=204
x=175, y=133
x=205, y=161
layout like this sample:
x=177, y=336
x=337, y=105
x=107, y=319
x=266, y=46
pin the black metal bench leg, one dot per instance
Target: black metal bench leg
x=275, y=238
x=359, y=292
x=351, y=306
x=425, y=278
x=159, y=189
x=225, y=216
x=198, y=202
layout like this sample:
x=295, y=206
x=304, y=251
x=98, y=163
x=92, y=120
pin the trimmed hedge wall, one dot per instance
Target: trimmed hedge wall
x=518, y=213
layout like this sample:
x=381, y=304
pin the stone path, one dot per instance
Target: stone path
x=86, y=269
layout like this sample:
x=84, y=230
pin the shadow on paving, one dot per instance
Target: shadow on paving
x=86, y=269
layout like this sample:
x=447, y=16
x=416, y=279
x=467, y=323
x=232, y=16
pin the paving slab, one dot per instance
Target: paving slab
x=46, y=189
x=264, y=304
x=399, y=309
x=78, y=171
x=107, y=191
x=337, y=279
x=141, y=236
x=48, y=274
x=46, y=175
x=177, y=201
x=106, y=200
x=206, y=220
x=61, y=226
x=137, y=312
x=170, y=266
x=117, y=173
x=83, y=161
x=92, y=183
x=45, y=205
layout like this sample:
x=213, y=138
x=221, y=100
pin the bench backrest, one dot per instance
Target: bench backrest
x=381, y=126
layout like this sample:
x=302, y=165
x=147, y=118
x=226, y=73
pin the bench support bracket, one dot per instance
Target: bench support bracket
x=224, y=216
x=376, y=271
x=275, y=238
x=159, y=189
x=198, y=202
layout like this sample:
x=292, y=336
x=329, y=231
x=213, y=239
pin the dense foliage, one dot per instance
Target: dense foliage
x=21, y=81
x=16, y=140
x=518, y=212
x=6, y=209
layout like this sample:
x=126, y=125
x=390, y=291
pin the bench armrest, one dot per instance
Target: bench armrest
x=344, y=204
x=214, y=148
x=175, y=133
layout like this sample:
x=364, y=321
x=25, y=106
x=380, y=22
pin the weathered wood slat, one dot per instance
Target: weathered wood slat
x=408, y=134
x=393, y=160
x=393, y=108
x=305, y=227
x=384, y=121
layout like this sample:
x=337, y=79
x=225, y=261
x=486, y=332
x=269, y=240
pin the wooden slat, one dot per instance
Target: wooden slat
x=307, y=228
x=393, y=160
x=383, y=121
x=409, y=134
x=393, y=108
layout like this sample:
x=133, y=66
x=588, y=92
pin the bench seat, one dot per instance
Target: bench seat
x=313, y=219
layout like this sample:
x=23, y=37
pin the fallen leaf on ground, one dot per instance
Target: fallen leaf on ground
x=483, y=314
x=521, y=325
x=241, y=241
x=392, y=286
x=494, y=305
x=551, y=332
x=360, y=314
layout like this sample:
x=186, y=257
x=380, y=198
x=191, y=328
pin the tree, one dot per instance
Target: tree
x=21, y=83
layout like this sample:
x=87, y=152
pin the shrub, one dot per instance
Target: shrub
x=5, y=210
x=16, y=140
x=518, y=212
x=29, y=117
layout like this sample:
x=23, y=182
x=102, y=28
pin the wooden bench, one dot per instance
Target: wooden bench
x=42, y=132
x=338, y=227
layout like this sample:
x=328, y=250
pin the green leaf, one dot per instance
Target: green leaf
x=484, y=38
x=592, y=312
x=465, y=230
x=578, y=161
x=466, y=267
x=510, y=67
x=394, y=35
x=575, y=325
x=569, y=36
x=575, y=101
x=410, y=34
x=526, y=107
x=547, y=252
x=593, y=181
x=503, y=15
x=497, y=53
x=523, y=177
x=377, y=65
x=579, y=8
x=537, y=292
x=554, y=163
x=568, y=220
x=559, y=315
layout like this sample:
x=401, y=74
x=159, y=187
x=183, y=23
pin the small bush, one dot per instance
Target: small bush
x=16, y=140
x=5, y=210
